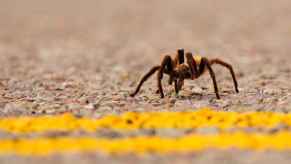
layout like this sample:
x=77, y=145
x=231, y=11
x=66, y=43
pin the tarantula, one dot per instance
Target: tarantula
x=178, y=71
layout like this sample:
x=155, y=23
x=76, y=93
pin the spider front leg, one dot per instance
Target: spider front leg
x=178, y=85
x=166, y=63
x=145, y=77
x=205, y=62
x=229, y=67
x=179, y=58
x=192, y=64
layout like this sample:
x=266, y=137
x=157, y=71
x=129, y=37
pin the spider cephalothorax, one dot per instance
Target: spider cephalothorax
x=178, y=71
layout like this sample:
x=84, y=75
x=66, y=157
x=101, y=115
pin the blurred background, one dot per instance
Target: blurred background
x=136, y=29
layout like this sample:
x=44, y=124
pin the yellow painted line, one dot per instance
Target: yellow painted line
x=147, y=120
x=142, y=145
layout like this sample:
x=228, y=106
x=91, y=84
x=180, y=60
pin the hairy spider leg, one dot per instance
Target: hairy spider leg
x=179, y=59
x=180, y=56
x=178, y=85
x=205, y=63
x=229, y=67
x=166, y=63
x=192, y=64
x=145, y=78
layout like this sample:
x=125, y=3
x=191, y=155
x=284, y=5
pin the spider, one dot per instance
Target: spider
x=178, y=71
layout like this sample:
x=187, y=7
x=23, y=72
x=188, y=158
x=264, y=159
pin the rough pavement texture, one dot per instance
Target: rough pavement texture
x=85, y=57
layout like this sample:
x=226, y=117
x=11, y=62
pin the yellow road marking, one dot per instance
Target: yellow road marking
x=141, y=145
x=148, y=120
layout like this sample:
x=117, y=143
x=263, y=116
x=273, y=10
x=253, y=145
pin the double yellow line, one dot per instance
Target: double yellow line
x=146, y=144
